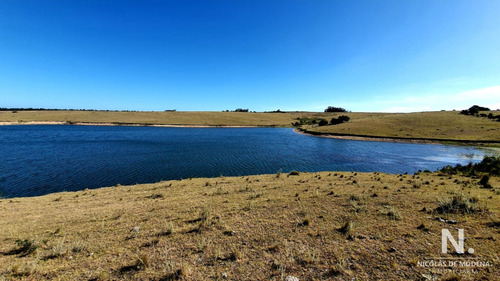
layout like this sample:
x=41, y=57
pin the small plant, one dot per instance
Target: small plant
x=346, y=227
x=305, y=222
x=358, y=207
x=79, y=246
x=394, y=214
x=26, y=247
x=248, y=206
x=176, y=275
x=156, y=196
x=354, y=198
x=58, y=250
x=255, y=195
x=169, y=229
x=485, y=181
x=278, y=175
x=205, y=215
x=142, y=261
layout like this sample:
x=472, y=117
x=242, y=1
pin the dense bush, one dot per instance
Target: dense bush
x=341, y=119
x=322, y=122
x=241, y=110
x=473, y=110
x=490, y=165
x=459, y=204
x=335, y=109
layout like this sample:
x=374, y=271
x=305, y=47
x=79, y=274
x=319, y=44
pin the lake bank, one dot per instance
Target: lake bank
x=422, y=127
x=484, y=143
x=124, y=124
x=247, y=228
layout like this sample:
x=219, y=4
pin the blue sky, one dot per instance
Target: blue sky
x=396, y=56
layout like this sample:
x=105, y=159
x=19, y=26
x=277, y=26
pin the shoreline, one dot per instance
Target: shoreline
x=487, y=143
x=398, y=139
x=126, y=124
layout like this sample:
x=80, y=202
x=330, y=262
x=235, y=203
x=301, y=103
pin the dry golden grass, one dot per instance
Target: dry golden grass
x=447, y=125
x=315, y=226
x=156, y=118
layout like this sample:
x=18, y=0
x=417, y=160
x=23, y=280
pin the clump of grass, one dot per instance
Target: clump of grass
x=79, y=246
x=354, y=198
x=26, y=247
x=307, y=256
x=205, y=215
x=58, y=250
x=358, y=207
x=347, y=227
x=25, y=270
x=181, y=273
x=394, y=214
x=459, y=204
x=278, y=174
x=248, y=206
x=293, y=173
x=169, y=229
x=255, y=195
x=485, y=182
x=156, y=196
x=417, y=184
x=304, y=222
x=219, y=191
x=142, y=261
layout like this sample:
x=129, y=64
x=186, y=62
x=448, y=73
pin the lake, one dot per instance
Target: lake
x=41, y=159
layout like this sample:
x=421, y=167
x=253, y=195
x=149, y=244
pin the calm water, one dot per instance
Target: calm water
x=37, y=160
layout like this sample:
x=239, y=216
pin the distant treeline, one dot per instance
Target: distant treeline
x=237, y=110
x=475, y=111
x=335, y=109
x=57, y=109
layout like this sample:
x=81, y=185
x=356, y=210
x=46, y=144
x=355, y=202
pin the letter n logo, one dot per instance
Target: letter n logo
x=446, y=235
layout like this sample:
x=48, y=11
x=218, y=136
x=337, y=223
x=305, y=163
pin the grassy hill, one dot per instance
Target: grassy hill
x=442, y=125
x=204, y=118
x=314, y=226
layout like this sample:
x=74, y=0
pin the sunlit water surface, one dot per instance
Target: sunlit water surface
x=41, y=159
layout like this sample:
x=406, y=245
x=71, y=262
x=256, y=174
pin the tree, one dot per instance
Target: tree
x=473, y=110
x=335, y=109
x=341, y=119
x=241, y=110
x=323, y=122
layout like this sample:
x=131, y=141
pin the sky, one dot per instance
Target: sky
x=264, y=55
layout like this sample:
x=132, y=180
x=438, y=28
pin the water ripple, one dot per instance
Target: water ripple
x=42, y=159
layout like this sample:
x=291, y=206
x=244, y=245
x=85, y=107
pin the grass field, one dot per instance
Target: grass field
x=156, y=118
x=314, y=226
x=443, y=125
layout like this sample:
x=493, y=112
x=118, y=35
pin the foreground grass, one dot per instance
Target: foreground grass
x=315, y=226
